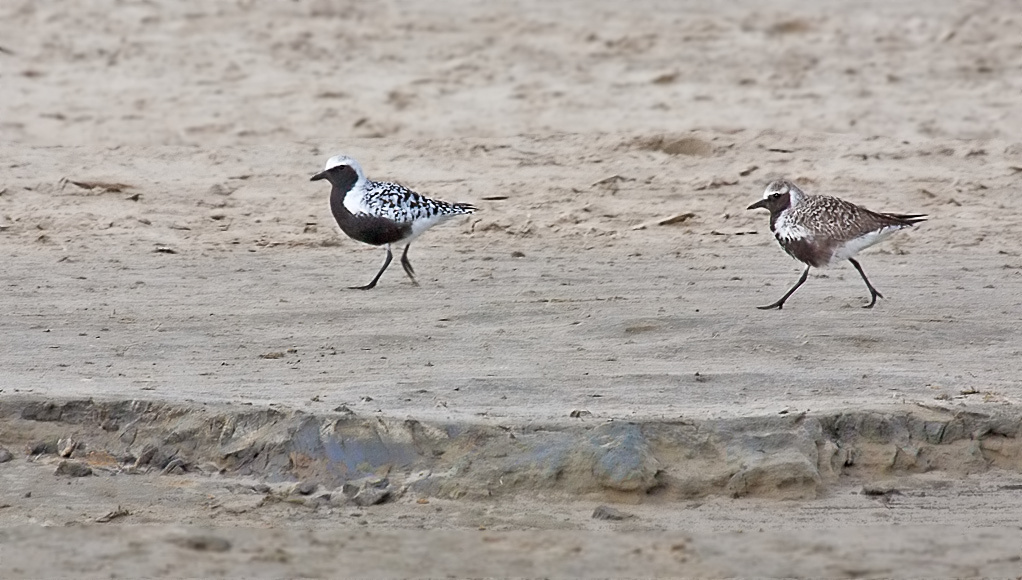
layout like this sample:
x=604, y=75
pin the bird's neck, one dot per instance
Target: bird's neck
x=338, y=193
x=785, y=203
x=775, y=214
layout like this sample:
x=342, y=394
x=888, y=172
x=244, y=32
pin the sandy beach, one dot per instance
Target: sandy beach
x=588, y=338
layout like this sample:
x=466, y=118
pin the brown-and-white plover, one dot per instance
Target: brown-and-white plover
x=381, y=213
x=820, y=231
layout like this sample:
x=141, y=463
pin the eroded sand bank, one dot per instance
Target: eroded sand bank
x=167, y=259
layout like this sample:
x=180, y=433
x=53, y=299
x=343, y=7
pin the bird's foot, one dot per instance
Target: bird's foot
x=873, y=302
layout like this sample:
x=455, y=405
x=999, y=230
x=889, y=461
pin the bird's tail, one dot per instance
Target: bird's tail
x=463, y=208
x=908, y=219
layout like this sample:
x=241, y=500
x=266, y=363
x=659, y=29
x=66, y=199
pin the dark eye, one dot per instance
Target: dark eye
x=775, y=196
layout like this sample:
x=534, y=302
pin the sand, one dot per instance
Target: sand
x=162, y=243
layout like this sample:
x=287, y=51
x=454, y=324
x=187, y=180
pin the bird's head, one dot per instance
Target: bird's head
x=341, y=169
x=778, y=196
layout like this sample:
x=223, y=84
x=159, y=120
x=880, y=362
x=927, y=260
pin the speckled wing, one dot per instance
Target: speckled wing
x=839, y=221
x=398, y=203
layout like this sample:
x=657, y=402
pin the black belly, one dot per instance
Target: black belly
x=373, y=230
x=367, y=229
x=812, y=254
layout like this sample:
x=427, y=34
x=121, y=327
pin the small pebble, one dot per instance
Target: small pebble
x=175, y=467
x=203, y=543
x=73, y=469
x=305, y=488
x=43, y=448
x=608, y=513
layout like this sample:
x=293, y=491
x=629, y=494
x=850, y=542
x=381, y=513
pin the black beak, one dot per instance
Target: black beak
x=318, y=176
x=757, y=205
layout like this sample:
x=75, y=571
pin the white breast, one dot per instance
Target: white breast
x=354, y=200
x=785, y=228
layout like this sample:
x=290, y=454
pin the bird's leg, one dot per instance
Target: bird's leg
x=386, y=263
x=408, y=265
x=872, y=291
x=780, y=303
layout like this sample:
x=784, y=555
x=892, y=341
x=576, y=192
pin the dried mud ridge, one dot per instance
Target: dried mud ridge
x=778, y=456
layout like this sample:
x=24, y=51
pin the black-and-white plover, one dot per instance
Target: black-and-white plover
x=380, y=213
x=820, y=231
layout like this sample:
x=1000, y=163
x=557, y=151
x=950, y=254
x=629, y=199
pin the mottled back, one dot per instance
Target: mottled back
x=820, y=230
x=400, y=204
x=830, y=218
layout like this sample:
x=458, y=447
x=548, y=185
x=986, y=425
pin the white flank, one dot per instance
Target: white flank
x=856, y=245
x=421, y=225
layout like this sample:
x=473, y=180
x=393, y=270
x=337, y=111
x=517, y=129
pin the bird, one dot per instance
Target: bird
x=380, y=213
x=821, y=231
